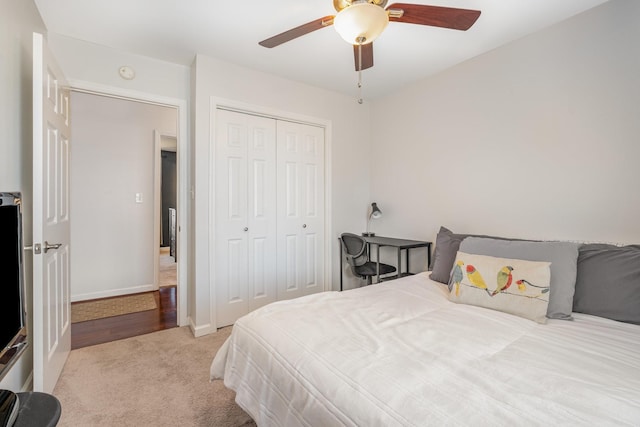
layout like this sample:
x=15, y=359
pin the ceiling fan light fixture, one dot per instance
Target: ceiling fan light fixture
x=361, y=23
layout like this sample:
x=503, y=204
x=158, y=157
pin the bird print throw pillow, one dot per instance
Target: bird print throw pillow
x=513, y=286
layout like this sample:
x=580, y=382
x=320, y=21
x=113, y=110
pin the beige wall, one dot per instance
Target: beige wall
x=538, y=139
x=82, y=62
x=18, y=21
x=113, y=159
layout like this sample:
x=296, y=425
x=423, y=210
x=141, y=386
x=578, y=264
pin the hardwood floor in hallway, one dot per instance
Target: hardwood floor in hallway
x=99, y=331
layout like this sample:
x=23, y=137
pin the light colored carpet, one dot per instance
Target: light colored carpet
x=158, y=379
x=109, y=307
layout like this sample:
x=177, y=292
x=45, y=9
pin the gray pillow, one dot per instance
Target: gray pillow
x=608, y=282
x=563, y=257
x=447, y=244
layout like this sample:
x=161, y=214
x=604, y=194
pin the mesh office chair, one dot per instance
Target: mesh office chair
x=354, y=248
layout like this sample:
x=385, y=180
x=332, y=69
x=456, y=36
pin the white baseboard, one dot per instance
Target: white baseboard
x=19, y=377
x=200, y=331
x=113, y=293
x=28, y=384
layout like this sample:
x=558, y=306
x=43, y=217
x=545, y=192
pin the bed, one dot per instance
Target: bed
x=401, y=353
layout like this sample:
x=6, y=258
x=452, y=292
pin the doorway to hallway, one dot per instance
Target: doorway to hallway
x=116, y=239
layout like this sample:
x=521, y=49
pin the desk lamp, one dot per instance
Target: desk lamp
x=375, y=214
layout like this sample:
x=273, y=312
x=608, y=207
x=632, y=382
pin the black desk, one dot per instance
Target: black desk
x=399, y=244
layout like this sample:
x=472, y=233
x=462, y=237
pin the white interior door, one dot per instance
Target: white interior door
x=300, y=170
x=51, y=222
x=245, y=230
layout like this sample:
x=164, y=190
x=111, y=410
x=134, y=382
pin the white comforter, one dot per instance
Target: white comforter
x=399, y=353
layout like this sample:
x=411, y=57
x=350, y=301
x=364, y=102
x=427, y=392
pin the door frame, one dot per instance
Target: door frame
x=272, y=113
x=157, y=198
x=182, y=163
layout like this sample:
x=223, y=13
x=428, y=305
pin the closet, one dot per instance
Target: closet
x=269, y=212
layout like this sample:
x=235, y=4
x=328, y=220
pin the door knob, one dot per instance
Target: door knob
x=304, y=225
x=36, y=248
x=246, y=229
x=48, y=246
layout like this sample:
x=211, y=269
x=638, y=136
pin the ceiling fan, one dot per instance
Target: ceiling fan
x=360, y=22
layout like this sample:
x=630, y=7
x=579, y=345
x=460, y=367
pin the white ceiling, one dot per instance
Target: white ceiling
x=175, y=30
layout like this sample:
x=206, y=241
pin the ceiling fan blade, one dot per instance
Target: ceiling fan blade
x=367, y=55
x=297, y=32
x=436, y=16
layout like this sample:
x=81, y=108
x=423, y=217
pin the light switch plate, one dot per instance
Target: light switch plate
x=138, y=197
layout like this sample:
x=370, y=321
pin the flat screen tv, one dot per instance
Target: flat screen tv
x=13, y=330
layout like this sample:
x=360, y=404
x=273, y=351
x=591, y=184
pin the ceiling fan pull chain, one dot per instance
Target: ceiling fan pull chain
x=360, y=70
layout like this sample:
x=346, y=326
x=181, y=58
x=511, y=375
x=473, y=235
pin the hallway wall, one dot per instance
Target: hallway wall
x=112, y=160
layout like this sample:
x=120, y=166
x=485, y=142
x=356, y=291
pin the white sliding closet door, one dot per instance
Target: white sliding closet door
x=245, y=214
x=300, y=170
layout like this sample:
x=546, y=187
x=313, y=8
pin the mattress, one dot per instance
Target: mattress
x=401, y=354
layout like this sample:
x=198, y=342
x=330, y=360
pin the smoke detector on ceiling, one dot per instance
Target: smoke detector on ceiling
x=127, y=72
